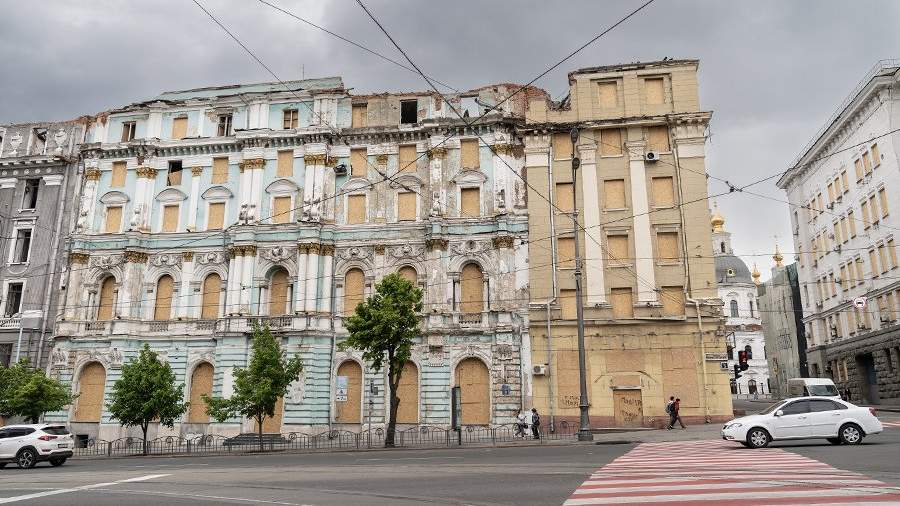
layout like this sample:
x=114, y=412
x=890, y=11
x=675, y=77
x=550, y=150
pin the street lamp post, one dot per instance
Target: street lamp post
x=584, y=431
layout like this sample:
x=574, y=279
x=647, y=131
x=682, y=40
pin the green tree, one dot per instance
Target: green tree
x=30, y=393
x=146, y=392
x=383, y=328
x=258, y=387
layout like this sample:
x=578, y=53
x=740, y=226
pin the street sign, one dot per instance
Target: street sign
x=716, y=357
x=504, y=389
x=860, y=302
x=340, y=389
x=724, y=365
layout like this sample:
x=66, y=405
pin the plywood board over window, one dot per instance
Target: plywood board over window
x=614, y=194
x=474, y=380
x=672, y=300
x=562, y=146
x=113, y=220
x=215, y=219
x=609, y=97
x=358, y=163
x=469, y=155
x=118, y=175
x=278, y=293
x=179, y=128
x=617, y=249
x=285, y=163
x=360, y=116
x=568, y=305
x=565, y=197
x=170, y=218
x=622, y=301
x=406, y=206
x=162, y=310
x=91, y=386
x=667, y=246
x=470, y=202
x=471, y=282
x=658, y=139
x=565, y=252
x=212, y=292
x=107, y=299
x=663, y=191
x=356, y=209
x=354, y=290
x=281, y=209
x=408, y=158
x=220, y=170
x=654, y=91
x=201, y=384
x=611, y=142
x=349, y=411
x=408, y=393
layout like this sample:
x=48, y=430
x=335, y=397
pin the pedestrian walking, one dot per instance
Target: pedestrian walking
x=520, y=424
x=535, y=423
x=670, y=411
x=676, y=416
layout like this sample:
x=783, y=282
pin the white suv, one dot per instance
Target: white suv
x=26, y=445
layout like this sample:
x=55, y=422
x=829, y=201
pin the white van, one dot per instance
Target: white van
x=804, y=387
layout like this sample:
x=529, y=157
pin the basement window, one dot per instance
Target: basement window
x=29, y=198
x=409, y=112
x=128, y=129
x=174, y=176
x=224, y=125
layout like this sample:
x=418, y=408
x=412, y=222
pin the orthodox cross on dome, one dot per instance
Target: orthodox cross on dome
x=755, y=274
x=778, y=257
x=717, y=221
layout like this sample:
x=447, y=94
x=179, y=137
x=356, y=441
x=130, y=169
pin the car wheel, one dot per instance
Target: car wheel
x=26, y=459
x=57, y=461
x=758, y=438
x=851, y=434
x=834, y=440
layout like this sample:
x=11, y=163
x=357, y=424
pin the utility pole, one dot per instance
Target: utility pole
x=584, y=431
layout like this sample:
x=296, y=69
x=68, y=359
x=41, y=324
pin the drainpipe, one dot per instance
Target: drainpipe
x=550, y=198
x=702, y=359
x=555, y=284
x=687, y=264
x=550, y=390
x=331, y=369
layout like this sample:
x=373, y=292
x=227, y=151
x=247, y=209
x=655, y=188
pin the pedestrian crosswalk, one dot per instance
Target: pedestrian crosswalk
x=891, y=425
x=714, y=472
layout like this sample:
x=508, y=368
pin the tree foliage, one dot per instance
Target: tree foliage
x=258, y=387
x=146, y=392
x=384, y=327
x=29, y=393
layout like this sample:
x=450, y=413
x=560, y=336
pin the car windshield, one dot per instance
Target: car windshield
x=56, y=430
x=771, y=408
x=824, y=390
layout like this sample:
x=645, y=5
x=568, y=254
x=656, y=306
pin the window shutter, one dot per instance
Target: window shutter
x=286, y=163
x=356, y=209
x=281, y=212
x=215, y=219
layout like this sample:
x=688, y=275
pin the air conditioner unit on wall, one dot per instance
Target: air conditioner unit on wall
x=651, y=156
x=539, y=370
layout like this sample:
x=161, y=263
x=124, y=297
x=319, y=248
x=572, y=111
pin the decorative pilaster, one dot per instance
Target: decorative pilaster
x=247, y=270
x=327, y=280
x=593, y=253
x=88, y=200
x=313, y=190
x=436, y=170
x=186, y=309
x=312, y=274
x=300, y=285
x=640, y=207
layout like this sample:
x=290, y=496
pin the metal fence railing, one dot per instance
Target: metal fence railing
x=418, y=436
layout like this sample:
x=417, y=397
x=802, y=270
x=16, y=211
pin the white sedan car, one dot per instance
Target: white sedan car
x=804, y=418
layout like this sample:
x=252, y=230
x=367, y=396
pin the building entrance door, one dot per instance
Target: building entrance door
x=629, y=408
x=869, y=381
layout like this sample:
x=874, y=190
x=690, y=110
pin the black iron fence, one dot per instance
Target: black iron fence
x=418, y=436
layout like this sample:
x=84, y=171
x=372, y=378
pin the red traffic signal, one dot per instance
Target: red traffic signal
x=742, y=360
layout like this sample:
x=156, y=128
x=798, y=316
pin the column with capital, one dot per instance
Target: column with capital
x=300, y=285
x=132, y=284
x=146, y=178
x=312, y=274
x=193, y=203
x=593, y=253
x=640, y=207
x=436, y=168
x=247, y=270
x=88, y=200
x=327, y=281
x=233, y=293
x=186, y=300
x=79, y=303
x=314, y=184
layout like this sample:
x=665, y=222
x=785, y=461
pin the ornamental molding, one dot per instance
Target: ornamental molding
x=503, y=241
x=188, y=256
x=196, y=171
x=433, y=243
x=379, y=249
x=210, y=258
x=471, y=177
x=354, y=253
x=328, y=250
x=146, y=172
x=79, y=258
x=166, y=260
x=243, y=250
x=313, y=248
x=106, y=262
x=407, y=251
x=59, y=357
x=114, y=198
x=282, y=187
x=171, y=195
x=514, y=150
x=315, y=159
x=437, y=153
x=91, y=174
x=276, y=254
x=198, y=355
x=217, y=193
x=135, y=257
x=469, y=247
x=381, y=159
x=252, y=164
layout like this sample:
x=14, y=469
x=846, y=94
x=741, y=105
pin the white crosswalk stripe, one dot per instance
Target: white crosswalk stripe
x=713, y=472
x=891, y=424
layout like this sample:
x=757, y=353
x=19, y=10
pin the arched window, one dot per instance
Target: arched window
x=354, y=290
x=722, y=246
x=163, y=308
x=107, y=299
x=349, y=411
x=201, y=383
x=734, y=308
x=471, y=281
x=408, y=393
x=410, y=274
x=752, y=311
x=474, y=380
x=91, y=385
x=212, y=292
x=751, y=386
x=279, y=284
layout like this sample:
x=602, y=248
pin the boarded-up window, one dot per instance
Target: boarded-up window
x=858, y=166
x=408, y=393
x=565, y=197
x=113, y=220
x=354, y=290
x=883, y=201
x=471, y=287
x=356, y=209
x=212, y=293
x=281, y=209
x=844, y=182
x=867, y=163
x=469, y=154
x=609, y=97
x=667, y=246
x=179, y=128
x=873, y=262
x=614, y=194
x=565, y=252
x=654, y=91
x=278, y=293
x=409, y=274
x=562, y=146
x=349, y=411
x=876, y=156
x=170, y=218
x=864, y=207
x=162, y=310
x=470, y=202
x=851, y=220
x=658, y=138
x=220, y=170
x=672, y=299
x=272, y=424
x=407, y=158
x=830, y=192
x=567, y=305
x=892, y=252
x=622, y=301
x=91, y=385
x=201, y=384
x=406, y=206
x=663, y=191
x=611, y=142
x=882, y=257
x=617, y=249
x=360, y=113
x=118, y=175
x=873, y=205
x=215, y=219
x=474, y=380
x=107, y=299
x=358, y=163
x=285, y=163
x=290, y=118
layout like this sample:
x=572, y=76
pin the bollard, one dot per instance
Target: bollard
x=109, y=449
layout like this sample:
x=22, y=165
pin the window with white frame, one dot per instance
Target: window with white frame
x=281, y=200
x=21, y=246
x=30, y=194
x=224, y=129
x=12, y=300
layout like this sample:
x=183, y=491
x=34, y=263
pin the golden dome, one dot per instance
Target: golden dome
x=717, y=221
x=755, y=274
x=778, y=257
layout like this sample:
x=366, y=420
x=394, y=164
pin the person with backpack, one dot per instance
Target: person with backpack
x=669, y=411
x=675, y=416
x=535, y=423
x=520, y=424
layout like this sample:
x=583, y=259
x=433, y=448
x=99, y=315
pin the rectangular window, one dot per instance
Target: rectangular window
x=667, y=246
x=470, y=202
x=663, y=191
x=658, y=139
x=356, y=209
x=609, y=96
x=358, y=163
x=281, y=209
x=567, y=305
x=5, y=348
x=179, y=128
x=617, y=249
x=873, y=206
x=22, y=246
x=565, y=252
x=359, y=118
x=128, y=130
x=845, y=283
x=876, y=155
x=220, y=170
x=833, y=285
x=882, y=257
x=614, y=194
x=13, y=299
x=622, y=302
x=858, y=167
x=837, y=186
x=830, y=192
x=565, y=197
x=409, y=110
x=170, y=218
x=224, y=129
x=215, y=219
x=290, y=119
x=672, y=300
x=844, y=182
x=859, y=271
x=851, y=220
x=113, y=220
x=562, y=146
x=654, y=91
x=469, y=154
x=406, y=206
x=864, y=207
x=285, y=163
x=892, y=253
x=30, y=195
x=119, y=172
x=882, y=199
x=837, y=233
x=611, y=142
x=844, y=233
x=173, y=178
x=873, y=262
x=407, y=158
x=867, y=163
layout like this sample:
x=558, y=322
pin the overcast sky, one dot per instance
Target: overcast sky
x=771, y=71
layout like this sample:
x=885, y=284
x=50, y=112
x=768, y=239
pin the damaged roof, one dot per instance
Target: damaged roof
x=619, y=67
x=323, y=83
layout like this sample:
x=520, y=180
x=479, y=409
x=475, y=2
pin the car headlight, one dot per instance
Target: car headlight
x=733, y=425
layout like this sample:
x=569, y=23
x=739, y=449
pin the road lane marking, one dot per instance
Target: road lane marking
x=200, y=496
x=410, y=458
x=38, y=495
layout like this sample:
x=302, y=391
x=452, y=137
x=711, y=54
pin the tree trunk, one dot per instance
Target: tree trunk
x=259, y=424
x=144, y=427
x=393, y=383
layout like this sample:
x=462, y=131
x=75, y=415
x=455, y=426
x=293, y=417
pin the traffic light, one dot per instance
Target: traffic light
x=737, y=373
x=742, y=360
